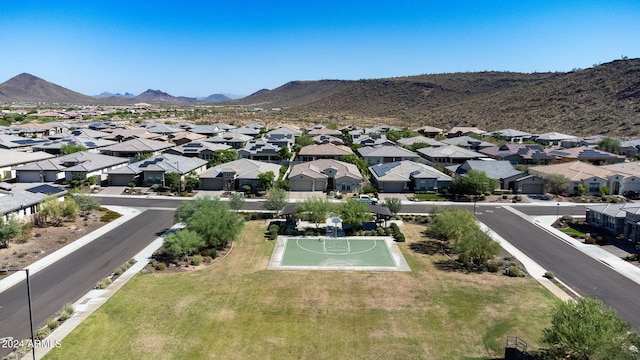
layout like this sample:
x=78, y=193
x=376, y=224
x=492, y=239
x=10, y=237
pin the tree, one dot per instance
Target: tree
x=266, y=180
x=361, y=163
x=302, y=141
x=191, y=181
x=67, y=149
x=586, y=329
x=474, y=182
x=477, y=247
x=183, y=243
x=236, y=201
x=275, y=199
x=172, y=180
x=223, y=156
x=451, y=224
x=610, y=145
x=354, y=213
x=284, y=153
x=8, y=230
x=51, y=208
x=393, y=204
x=556, y=183
x=212, y=220
x=315, y=209
x=86, y=203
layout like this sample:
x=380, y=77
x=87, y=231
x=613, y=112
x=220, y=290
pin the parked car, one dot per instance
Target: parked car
x=368, y=199
x=633, y=195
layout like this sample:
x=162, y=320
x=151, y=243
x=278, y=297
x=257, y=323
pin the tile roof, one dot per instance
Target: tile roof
x=406, y=170
x=574, y=171
x=244, y=169
x=316, y=168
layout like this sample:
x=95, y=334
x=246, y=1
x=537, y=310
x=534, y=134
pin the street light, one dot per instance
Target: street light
x=557, y=211
x=33, y=339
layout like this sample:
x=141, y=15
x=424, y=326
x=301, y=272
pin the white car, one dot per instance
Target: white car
x=368, y=199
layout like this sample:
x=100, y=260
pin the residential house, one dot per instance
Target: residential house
x=236, y=174
x=381, y=154
x=403, y=176
x=448, y=155
x=18, y=142
x=325, y=175
x=553, y=138
x=429, y=131
x=525, y=154
x=55, y=147
x=625, y=177
x=328, y=139
x=236, y=141
x=200, y=149
x=76, y=166
x=280, y=139
x=286, y=130
x=24, y=202
x=502, y=171
x=420, y=140
x=183, y=137
x=591, y=176
x=468, y=142
x=208, y=130
x=162, y=129
x=10, y=160
x=152, y=171
x=323, y=151
x=616, y=219
x=458, y=131
x=585, y=154
x=512, y=136
x=250, y=130
x=125, y=134
x=630, y=148
x=372, y=139
x=136, y=148
x=325, y=131
x=260, y=150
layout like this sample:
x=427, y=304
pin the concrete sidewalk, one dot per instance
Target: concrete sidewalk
x=17, y=277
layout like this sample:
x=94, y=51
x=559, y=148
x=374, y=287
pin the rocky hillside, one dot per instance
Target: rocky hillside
x=601, y=100
x=29, y=88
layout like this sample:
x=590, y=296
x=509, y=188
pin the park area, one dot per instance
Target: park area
x=238, y=309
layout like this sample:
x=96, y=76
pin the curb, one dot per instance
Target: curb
x=127, y=214
x=94, y=299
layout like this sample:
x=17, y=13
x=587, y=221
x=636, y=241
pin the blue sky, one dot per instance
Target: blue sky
x=198, y=48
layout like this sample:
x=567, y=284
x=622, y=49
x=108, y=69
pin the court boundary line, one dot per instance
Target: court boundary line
x=275, y=262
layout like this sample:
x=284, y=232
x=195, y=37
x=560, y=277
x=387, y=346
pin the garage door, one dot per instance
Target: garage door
x=302, y=185
x=392, y=187
x=532, y=188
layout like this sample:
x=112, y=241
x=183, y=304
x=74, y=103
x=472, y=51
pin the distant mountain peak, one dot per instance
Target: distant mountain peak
x=29, y=88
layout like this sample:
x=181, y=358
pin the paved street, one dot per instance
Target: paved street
x=70, y=278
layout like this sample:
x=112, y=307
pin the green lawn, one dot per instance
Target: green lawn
x=236, y=309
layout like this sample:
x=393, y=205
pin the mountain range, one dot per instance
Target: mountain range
x=27, y=88
x=604, y=99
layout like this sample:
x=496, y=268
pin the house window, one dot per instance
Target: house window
x=594, y=187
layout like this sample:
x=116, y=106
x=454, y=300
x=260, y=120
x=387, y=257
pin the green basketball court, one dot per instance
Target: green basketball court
x=346, y=253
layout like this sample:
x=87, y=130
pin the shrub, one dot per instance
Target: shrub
x=273, y=231
x=42, y=333
x=399, y=237
x=549, y=275
x=52, y=324
x=66, y=312
x=196, y=260
x=212, y=253
x=160, y=266
x=515, y=271
x=504, y=197
x=131, y=185
x=493, y=266
x=207, y=259
x=567, y=218
x=102, y=284
x=590, y=241
x=631, y=257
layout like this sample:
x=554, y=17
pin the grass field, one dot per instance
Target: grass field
x=236, y=309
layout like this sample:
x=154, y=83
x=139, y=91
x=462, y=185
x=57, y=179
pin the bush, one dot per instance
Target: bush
x=207, y=259
x=102, y=284
x=493, y=266
x=399, y=237
x=515, y=271
x=273, y=231
x=66, y=312
x=631, y=257
x=52, y=324
x=42, y=333
x=131, y=185
x=196, y=260
x=160, y=266
x=590, y=241
x=212, y=253
x=549, y=275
